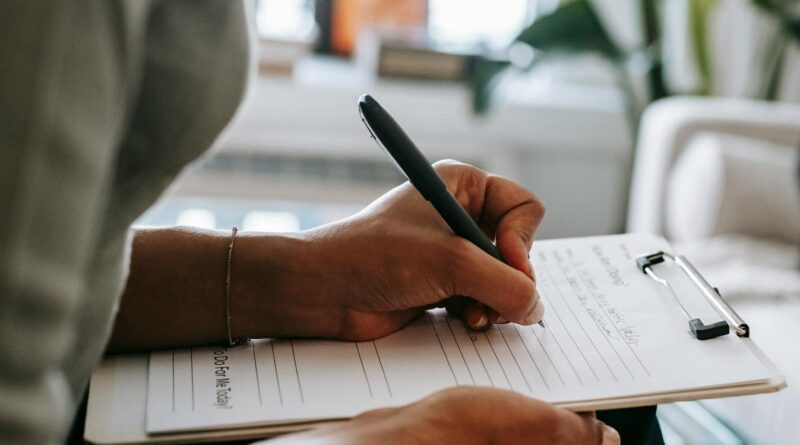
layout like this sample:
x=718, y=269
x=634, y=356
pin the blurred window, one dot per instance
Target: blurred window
x=470, y=22
x=263, y=215
x=450, y=22
x=291, y=20
x=271, y=221
x=194, y=217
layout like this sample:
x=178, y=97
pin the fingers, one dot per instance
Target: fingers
x=586, y=429
x=465, y=416
x=511, y=213
x=487, y=415
x=611, y=436
x=502, y=208
x=506, y=290
x=516, y=213
x=516, y=419
x=476, y=315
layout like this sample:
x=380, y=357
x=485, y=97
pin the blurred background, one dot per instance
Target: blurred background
x=675, y=117
x=562, y=120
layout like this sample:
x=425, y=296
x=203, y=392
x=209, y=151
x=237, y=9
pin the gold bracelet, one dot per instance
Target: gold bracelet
x=231, y=341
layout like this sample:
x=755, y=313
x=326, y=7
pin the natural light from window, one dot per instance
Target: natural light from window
x=285, y=19
x=467, y=22
x=450, y=22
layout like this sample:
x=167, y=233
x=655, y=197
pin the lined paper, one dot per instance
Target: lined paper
x=611, y=332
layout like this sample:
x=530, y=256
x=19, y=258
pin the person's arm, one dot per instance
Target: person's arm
x=175, y=293
x=360, y=278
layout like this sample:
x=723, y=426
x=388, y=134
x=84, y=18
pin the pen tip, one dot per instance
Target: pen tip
x=541, y=323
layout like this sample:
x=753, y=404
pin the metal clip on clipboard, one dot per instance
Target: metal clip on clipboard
x=700, y=330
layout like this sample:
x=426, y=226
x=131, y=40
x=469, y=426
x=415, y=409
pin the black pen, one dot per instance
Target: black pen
x=388, y=134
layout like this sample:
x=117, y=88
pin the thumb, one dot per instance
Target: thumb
x=508, y=291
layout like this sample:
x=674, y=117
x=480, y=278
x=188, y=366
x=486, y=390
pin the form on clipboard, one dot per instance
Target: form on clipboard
x=614, y=338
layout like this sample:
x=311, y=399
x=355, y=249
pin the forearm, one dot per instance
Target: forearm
x=357, y=279
x=175, y=294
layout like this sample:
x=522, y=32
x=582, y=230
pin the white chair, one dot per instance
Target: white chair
x=718, y=177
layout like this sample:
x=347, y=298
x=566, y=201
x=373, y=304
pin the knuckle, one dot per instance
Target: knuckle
x=448, y=167
x=456, y=400
x=461, y=176
x=449, y=170
x=525, y=234
x=551, y=426
x=538, y=207
x=448, y=164
x=442, y=413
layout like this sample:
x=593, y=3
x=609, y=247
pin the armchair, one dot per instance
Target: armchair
x=744, y=155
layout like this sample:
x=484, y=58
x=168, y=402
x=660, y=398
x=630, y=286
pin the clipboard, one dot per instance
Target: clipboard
x=118, y=401
x=118, y=396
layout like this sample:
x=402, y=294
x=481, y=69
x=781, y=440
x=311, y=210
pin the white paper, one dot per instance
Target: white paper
x=610, y=332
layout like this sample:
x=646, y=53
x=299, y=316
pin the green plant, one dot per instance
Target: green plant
x=787, y=13
x=699, y=12
x=573, y=28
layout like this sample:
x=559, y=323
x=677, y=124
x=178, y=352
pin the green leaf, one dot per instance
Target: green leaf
x=785, y=11
x=793, y=26
x=483, y=82
x=769, y=5
x=572, y=27
x=699, y=13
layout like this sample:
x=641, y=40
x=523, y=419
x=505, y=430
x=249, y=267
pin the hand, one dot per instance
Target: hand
x=368, y=275
x=464, y=416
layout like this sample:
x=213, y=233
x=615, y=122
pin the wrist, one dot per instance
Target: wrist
x=277, y=289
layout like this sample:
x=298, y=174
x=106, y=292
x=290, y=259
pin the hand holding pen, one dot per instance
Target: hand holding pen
x=413, y=164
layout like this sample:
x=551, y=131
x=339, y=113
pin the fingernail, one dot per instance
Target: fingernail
x=482, y=322
x=610, y=436
x=536, y=313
